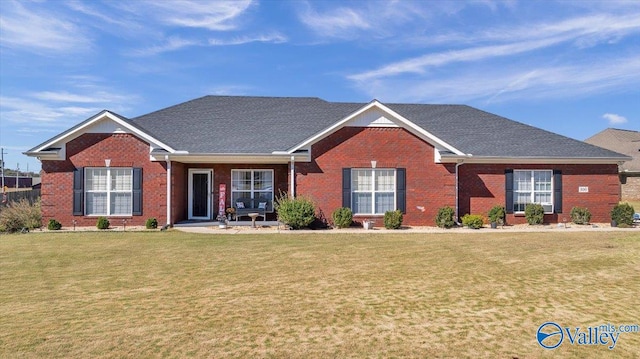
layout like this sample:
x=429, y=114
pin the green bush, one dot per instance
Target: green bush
x=152, y=223
x=393, y=219
x=21, y=214
x=444, y=219
x=474, y=221
x=54, y=225
x=580, y=215
x=103, y=223
x=623, y=214
x=342, y=217
x=497, y=214
x=534, y=213
x=296, y=212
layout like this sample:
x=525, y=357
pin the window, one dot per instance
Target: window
x=252, y=184
x=373, y=191
x=533, y=187
x=109, y=191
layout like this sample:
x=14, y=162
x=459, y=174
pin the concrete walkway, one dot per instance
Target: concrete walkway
x=507, y=229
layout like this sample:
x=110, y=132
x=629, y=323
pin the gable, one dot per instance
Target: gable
x=104, y=122
x=376, y=114
x=373, y=117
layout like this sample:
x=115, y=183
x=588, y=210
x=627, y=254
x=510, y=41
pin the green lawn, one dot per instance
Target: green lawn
x=173, y=294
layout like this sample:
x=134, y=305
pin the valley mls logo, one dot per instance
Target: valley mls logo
x=550, y=335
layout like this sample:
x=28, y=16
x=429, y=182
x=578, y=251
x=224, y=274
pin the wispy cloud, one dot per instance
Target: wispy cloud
x=274, y=38
x=614, y=119
x=171, y=44
x=419, y=65
x=583, y=31
x=216, y=16
x=65, y=96
x=60, y=109
x=32, y=30
x=338, y=22
x=489, y=85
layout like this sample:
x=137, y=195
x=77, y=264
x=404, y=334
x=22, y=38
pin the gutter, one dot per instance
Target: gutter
x=460, y=163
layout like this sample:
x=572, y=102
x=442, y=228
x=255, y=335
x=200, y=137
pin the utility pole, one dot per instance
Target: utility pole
x=2, y=166
x=17, y=175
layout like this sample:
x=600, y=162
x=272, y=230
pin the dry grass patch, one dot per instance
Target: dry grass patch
x=340, y=295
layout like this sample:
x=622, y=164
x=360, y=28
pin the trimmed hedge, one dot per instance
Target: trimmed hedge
x=393, y=219
x=474, y=221
x=297, y=212
x=623, y=214
x=534, y=213
x=444, y=218
x=103, y=223
x=151, y=223
x=580, y=215
x=54, y=225
x=342, y=217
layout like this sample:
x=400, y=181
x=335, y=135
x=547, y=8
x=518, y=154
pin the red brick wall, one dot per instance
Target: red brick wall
x=483, y=186
x=429, y=185
x=90, y=150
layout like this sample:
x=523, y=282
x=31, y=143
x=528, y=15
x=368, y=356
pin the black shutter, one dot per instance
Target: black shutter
x=137, y=192
x=346, y=187
x=401, y=189
x=78, y=191
x=557, y=191
x=508, y=186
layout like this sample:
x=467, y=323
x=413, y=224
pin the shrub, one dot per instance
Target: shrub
x=444, y=219
x=580, y=215
x=342, y=217
x=496, y=214
x=21, y=214
x=54, y=225
x=534, y=213
x=152, y=223
x=296, y=212
x=474, y=221
x=393, y=219
x=103, y=223
x=623, y=214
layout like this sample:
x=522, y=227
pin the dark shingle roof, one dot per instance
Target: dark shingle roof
x=480, y=133
x=243, y=124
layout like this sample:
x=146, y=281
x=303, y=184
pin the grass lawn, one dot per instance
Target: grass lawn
x=172, y=294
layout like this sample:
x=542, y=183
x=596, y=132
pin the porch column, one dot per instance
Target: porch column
x=292, y=191
x=168, y=190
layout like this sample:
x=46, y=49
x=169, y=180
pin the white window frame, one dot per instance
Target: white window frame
x=533, y=190
x=108, y=191
x=254, y=191
x=373, y=189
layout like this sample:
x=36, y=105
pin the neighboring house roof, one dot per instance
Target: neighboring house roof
x=236, y=126
x=623, y=141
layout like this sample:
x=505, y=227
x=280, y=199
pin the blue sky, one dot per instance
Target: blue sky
x=568, y=67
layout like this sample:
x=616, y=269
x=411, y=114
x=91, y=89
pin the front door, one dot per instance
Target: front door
x=200, y=187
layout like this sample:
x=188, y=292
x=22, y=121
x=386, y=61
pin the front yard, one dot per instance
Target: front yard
x=173, y=294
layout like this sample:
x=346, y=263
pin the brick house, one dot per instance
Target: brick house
x=187, y=161
x=626, y=142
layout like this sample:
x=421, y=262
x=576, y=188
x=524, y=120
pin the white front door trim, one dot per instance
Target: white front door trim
x=209, y=173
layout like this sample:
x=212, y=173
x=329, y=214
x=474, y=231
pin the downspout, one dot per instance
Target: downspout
x=166, y=157
x=460, y=163
x=292, y=191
